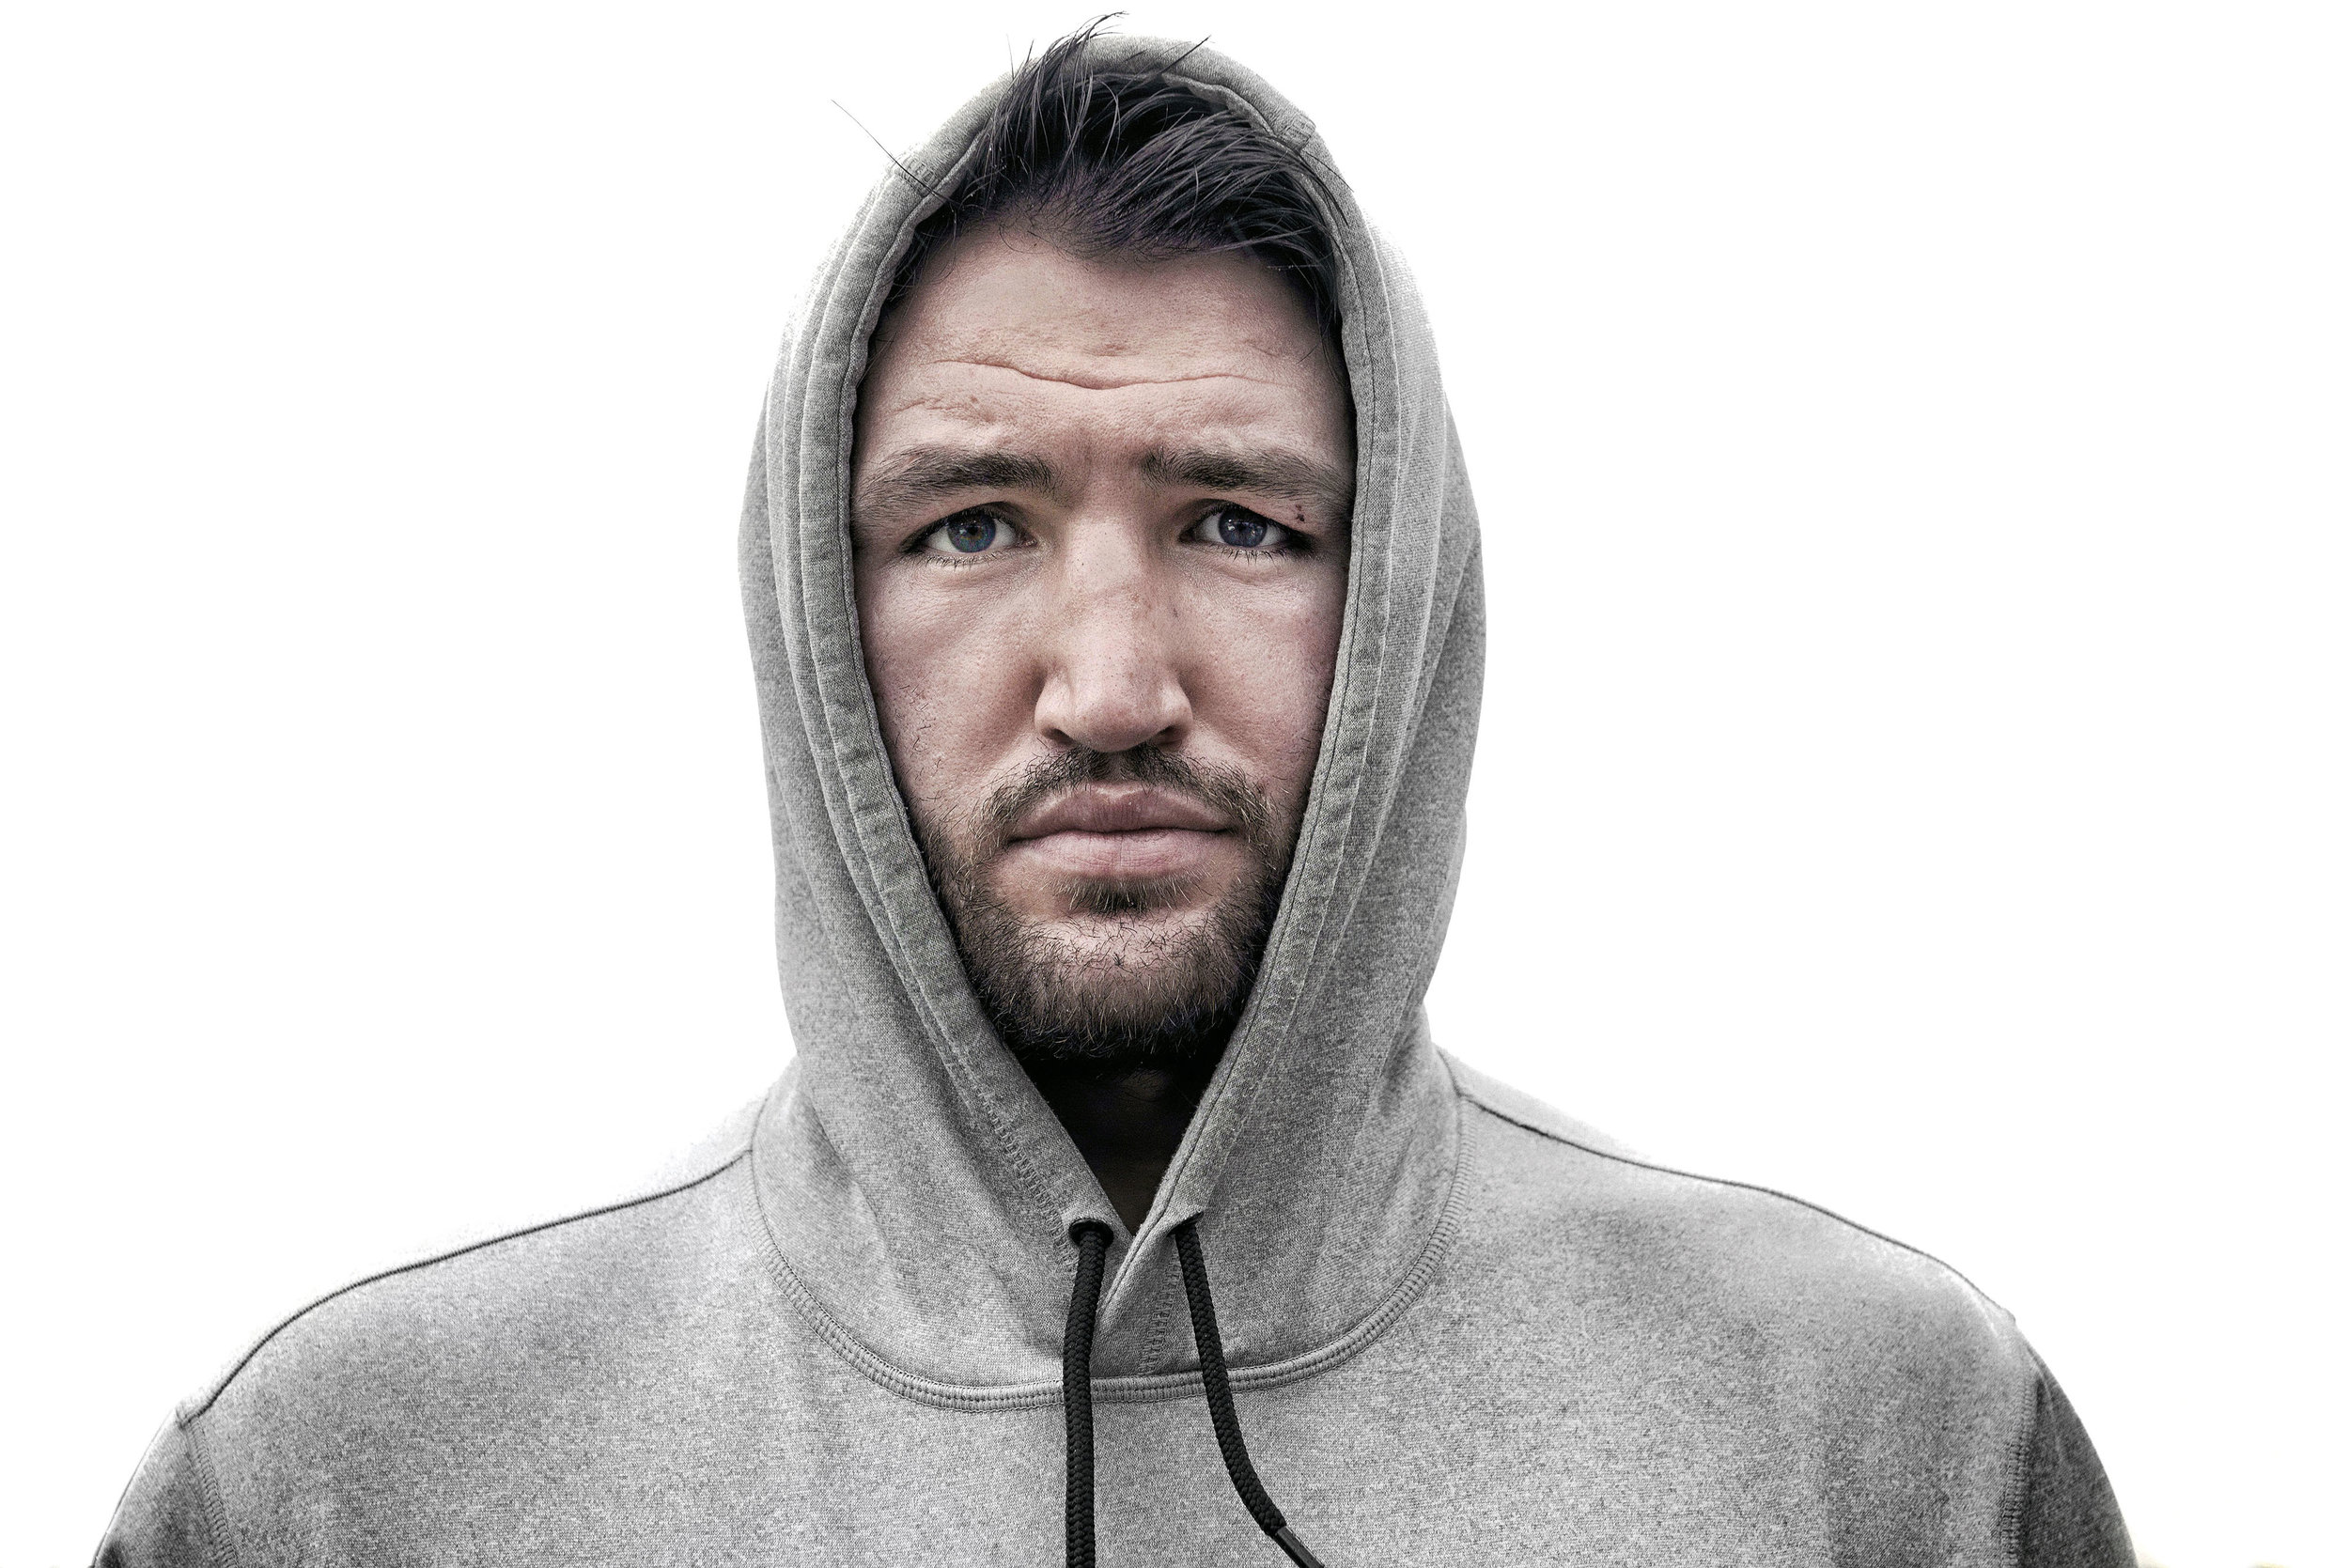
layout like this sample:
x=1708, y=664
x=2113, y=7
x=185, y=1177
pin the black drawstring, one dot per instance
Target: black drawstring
x=1076, y=1384
x=1076, y=1380
x=1212, y=1373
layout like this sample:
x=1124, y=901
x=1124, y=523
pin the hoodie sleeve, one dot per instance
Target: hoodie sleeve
x=167, y=1517
x=2068, y=1517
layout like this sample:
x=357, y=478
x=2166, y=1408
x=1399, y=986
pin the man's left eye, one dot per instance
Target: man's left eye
x=1240, y=528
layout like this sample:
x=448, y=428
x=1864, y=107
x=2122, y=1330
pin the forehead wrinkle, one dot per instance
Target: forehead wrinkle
x=1103, y=384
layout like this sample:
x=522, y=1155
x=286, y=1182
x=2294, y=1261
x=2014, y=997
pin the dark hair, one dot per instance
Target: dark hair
x=1117, y=159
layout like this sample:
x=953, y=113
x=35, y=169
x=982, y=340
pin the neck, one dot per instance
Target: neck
x=1125, y=1121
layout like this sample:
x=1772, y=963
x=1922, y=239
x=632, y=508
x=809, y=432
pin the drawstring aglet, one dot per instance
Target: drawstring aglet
x=1287, y=1540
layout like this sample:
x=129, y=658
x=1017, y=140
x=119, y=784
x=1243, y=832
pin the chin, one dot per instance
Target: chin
x=1108, y=970
x=1110, y=988
x=1146, y=942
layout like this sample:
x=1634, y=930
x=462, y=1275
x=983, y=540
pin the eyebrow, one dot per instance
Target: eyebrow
x=1283, y=475
x=911, y=480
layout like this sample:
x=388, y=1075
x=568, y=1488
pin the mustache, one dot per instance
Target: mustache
x=1226, y=791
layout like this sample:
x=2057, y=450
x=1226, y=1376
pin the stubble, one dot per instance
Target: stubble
x=1116, y=980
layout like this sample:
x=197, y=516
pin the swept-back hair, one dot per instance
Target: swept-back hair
x=1117, y=157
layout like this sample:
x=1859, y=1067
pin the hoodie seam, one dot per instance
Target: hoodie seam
x=1470, y=1094
x=220, y=1386
x=218, y=1548
x=1151, y=1387
x=2014, y=1494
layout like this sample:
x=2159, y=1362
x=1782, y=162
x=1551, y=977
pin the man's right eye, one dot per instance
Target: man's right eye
x=972, y=533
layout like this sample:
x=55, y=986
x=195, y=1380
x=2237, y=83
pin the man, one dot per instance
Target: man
x=1111, y=577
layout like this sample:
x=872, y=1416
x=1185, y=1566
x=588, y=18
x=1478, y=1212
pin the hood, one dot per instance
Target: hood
x=919, y=1191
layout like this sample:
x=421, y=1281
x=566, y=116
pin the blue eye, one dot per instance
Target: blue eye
x=1239, y=529
x=972, y=533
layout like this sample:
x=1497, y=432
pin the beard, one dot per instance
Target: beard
x=1121, y=977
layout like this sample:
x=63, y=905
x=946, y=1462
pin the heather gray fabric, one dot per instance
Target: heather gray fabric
x=1462, y=1329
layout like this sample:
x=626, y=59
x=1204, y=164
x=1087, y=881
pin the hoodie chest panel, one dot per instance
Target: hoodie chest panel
x=1474, y=1433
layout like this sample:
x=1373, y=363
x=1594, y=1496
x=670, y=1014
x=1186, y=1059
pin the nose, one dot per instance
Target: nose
x=1114, y=675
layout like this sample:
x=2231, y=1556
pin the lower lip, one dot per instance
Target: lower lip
x=1142, y=855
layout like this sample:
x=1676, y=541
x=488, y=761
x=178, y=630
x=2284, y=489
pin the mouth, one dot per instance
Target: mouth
x=1111, y=809
x=1119, y=834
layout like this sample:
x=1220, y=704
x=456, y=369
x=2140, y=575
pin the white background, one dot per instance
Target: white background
x=1911, y=448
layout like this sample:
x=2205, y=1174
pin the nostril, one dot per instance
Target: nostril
x=1112, y=711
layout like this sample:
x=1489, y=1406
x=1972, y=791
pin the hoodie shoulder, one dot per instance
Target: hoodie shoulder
x=1515, y=1106
x=170, y=1514
x=1748, y=1258
x=568, y=1267
x=1735, y=1342
x=476, y=1366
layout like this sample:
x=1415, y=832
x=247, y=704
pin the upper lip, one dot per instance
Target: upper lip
x=1118, y=809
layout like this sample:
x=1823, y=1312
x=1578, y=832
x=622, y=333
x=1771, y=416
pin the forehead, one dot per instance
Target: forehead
x=1006, y=329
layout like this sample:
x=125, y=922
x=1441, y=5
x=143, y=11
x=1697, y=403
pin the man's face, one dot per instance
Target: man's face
x=1100, y=524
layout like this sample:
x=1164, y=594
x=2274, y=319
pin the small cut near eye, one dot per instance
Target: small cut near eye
x=1237, y=528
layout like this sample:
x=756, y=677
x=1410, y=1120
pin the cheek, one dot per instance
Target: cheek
x=947, y=684
x=1265, y=687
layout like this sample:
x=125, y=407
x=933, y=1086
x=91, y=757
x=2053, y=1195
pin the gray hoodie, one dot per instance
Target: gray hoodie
x=1461, y=1328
